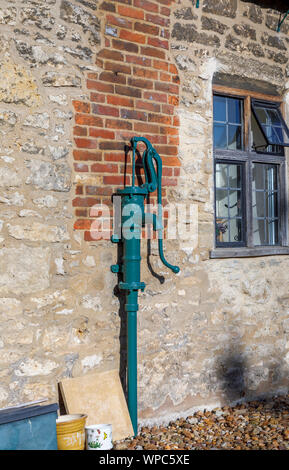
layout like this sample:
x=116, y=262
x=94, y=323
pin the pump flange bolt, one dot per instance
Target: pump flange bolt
x=114, y=268
x=115, y=239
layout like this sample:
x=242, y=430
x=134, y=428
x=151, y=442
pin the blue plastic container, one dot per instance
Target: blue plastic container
x=30, y=428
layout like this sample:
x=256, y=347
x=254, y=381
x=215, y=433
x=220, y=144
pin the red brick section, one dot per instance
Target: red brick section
x=135, y=93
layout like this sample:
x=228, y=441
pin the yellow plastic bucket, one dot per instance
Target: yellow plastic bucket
x=71, y=432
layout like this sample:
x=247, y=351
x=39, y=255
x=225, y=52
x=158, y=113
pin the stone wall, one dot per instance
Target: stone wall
x=77, y=79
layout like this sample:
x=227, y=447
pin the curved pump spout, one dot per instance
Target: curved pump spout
x=154, y=182
x=132, y=200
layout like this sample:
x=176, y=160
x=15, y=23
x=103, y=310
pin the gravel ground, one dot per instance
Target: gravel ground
x=258, y=425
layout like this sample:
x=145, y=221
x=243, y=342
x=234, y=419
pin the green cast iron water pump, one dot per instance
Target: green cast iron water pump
x=133, y=219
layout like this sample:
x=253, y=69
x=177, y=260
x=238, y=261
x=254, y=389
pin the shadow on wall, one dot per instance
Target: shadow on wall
x=240, y=381
x=123, y=326
x=279, y=5
x=231, y=369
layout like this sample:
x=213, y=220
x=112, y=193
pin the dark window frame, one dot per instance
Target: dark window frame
x=248, y=157
x=275, y=107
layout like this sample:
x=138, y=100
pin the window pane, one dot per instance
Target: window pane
x=270, y=121
x=229, y=210
x=220, y=136
x=262, y=116
x=234, y=203
x=277, y=135
x=272, y=231
x=234, y=110
x=259, y=236
x=271, y=204
x=236, y=230
x=234, y=175
x=258, y=176
x=221, y=175
x=270, y=173
x=221, y=203
x=259, y=206
x=274, y=134
x=273, y=117
x=234, y=137
x=265, y=204
x=265, y=232
x=228, y=122
x=258, y=140
x=220, y=113
x=222, y=231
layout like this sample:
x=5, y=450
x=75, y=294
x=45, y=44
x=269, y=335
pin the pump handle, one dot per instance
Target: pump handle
x=153, y=179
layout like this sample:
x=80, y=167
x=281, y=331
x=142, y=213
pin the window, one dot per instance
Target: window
x=249, y=135
x=230, y=223
x=268, y=119
x=228, y=123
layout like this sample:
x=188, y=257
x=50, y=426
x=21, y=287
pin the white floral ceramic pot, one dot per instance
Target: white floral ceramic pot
x=98, y=437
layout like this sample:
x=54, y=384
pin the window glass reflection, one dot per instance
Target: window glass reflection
x=265, y=204
x=228, y=122
x=229, y=210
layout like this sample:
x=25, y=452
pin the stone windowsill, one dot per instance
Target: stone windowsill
x=249, y=252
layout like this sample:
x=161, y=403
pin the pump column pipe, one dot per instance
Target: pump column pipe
x=132, y=205
x=132, y=220
x=132, y=200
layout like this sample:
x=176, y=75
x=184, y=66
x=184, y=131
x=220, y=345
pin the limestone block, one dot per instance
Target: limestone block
x=38, y=232
x=89, y=362
x=36, y=391
x=38, y=15
x=50, y=299
x=89, y=261
x=14, y=199
x=57, y=79
x=10, y=307
x=90, y=302
x=222, y=7
x=38, y=120
x=58, y=152
x=59, y=99
x=46, y=201
x=32, y=367
x=24, y=269
x=36, y=55
x=32, y=147
x=77, y=15
x=44, y=175
x=17, y=85
x=8, y=16
x=29, y=213
x=59, y=263
x=254, y=13
x=8, y=119
x=83, y=53
x=255, y=376
x=9, y=177
x=17, y=335
x=212, y=24
x=185, y=14
x=55, y=337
